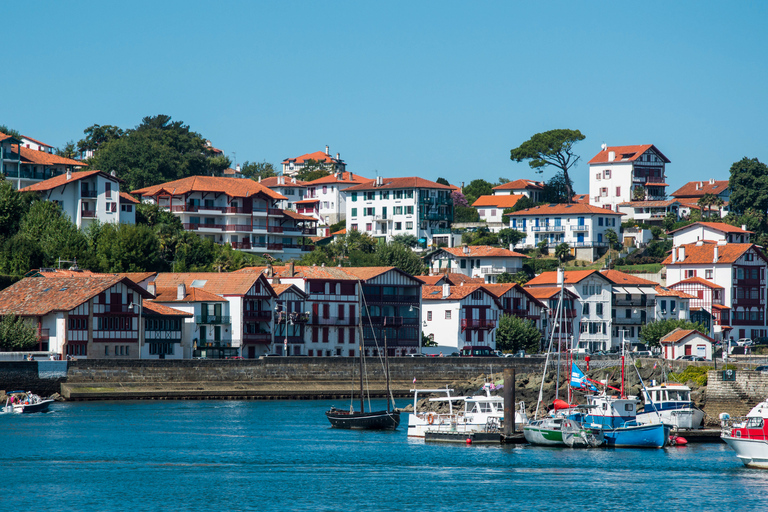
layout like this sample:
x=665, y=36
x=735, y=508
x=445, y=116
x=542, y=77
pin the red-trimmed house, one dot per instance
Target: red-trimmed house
x=682, y=342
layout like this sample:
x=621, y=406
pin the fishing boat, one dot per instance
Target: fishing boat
x=670, y=404
x=419, y=421
x=616, y=417
x=388, y=419
x=748, y=438
x=25, y=402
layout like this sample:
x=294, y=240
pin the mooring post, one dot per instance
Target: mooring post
x=509, y=402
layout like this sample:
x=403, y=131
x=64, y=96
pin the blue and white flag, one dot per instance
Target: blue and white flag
x=579, y=380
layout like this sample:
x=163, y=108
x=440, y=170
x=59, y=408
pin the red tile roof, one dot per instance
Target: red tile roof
x=272, y=181
x=281, y=288
x=705, y=187
x=457, y=292
x=431, y=280
x=482, y=251
x=507, y=201
x=581, y=198
x=38, y=296
x=457, y=278
x=666, y=292
x=307, y=201
x=625, y=154
x=698, y=280
x=233, y=187
x=137, y=277
x=170, y=294
x=125, y=197
x=152, y=308
x=366, y=273
x=298, y=216
x=679, y=335
x=719, y=226
x=61, y=179
x=343, y=177
x=705, y=253
x=42, y=158
x=391, y=183
x=319, y=156
x=650, y=204
x=571, y=277
x=218, y=283
x=547, y=292
x=565, y=209
x=306, y=272
x=619, y=278
x=37, y=141
x=340, y=232
x=520, y=185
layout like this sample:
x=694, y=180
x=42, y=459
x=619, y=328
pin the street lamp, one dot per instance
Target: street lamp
x=140, y=340
x=424, y=323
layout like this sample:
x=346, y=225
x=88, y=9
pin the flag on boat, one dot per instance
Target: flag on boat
x=579, y=380
x=414, y=380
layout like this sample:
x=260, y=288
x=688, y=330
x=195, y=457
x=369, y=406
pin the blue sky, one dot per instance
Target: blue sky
x=403, y=88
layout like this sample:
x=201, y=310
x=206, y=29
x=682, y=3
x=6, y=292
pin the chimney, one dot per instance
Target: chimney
x=560, y=276
x=151, y=288
x=270, y=270
x=181, y=292
x=611, y=156
x=259, y=178
x=697, y=186
x=711, y=181
x=291, y=268
x=682, y=253
x=322, y=264
x=326, y=150
x=446, y=290
x=465, y=248
x=293, y=180
x=237, y=167
x=113, y=173
x=511, y=247
x=337, y=156
x=69, y=174
x=674, y=255
x=701, y=184
x=744, y=227
x=603, y=147
x=714, y=260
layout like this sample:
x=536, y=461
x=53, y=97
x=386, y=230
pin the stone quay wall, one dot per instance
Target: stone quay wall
x=736, y=397
x=41, y=377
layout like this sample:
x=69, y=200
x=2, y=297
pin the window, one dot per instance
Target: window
x=463, y=263
x=384, y=194
x=409, y=210
x=325, y=189
x=108, y=190
x=672, y=306
x=429, y=316
x=354, y=197
x=585, y=309
x=708, y=274
x=607, y=174
x=409, y=194
x=604, y=192
x=398, y=226
x=354, y=212
x=354, y=227
x=398, y=194
x=369, y=211
x=477, y=295
x=409, y=225
x=618, y=191
x=447, y=314
x=599, y=221
x=126, y=208
x=369, y=196
x=599, y=309
x=398, y=210
x=369, y=227
x=690, y=273
x=663, y=306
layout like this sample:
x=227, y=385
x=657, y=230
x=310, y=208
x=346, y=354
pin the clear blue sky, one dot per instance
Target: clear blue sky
x=403, y=88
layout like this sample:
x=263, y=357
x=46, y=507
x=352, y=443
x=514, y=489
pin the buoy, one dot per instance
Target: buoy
x=469, y=440
x=681, y=441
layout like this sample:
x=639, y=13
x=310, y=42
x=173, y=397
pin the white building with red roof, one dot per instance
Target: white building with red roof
x=326, y=200
x=292, y=166
x=240, y=212
x=687, y=342
x=617, y=171
x=690, y=193
x=292, y=189
x=88, y=197
x=528, y=188
x=387, y=207
x=491, y=209
x=650, y=212
x=583, y=227
x=711, y=231
x=482, y=261
x=26, y=161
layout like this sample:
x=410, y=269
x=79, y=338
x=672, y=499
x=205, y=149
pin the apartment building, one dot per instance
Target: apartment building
x=583, y=227
x=458, y=317
x=563, y=323
x=164, y=332
x=514, y=300
x=633, y=304
x=397, y=206
x=711, y=231
x=292, y=189
x=240, y=212
x=88, y=197
x=690, y=194
x=325, y=198
x=291, y=317
x=650, y=212
x=25, y=161
x=482, y=261
x=292, y=166
x=619, y=174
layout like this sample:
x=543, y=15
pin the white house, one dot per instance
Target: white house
x=738, y=269
x=672, y=304
x=686, y=342
x=398, y=206
x=167, y=332
x=563, y=323
x=594, y=293
x=292, y=189
x=87, y=197
x=633, y=305
x=583, y=227
x=460, y=316
x=690, y=193
x=617, y=171
x=491, y=209
x=292, y=166
x=481, y=261
x=528, y=188
x=712, y=231
x=326, y=197
x=650, y=212
x=25, y=161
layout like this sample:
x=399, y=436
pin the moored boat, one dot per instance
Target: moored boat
x=616, y=417
x=545, y=432
x=361, y=420
x=749, y=438
x=670, y=404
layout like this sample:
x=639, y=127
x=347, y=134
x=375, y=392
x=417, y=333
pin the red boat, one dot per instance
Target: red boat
x=749, y=438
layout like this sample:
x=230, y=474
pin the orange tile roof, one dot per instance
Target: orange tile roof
x=366, y=273
x=306, y=272
x=4, y=136
x=430, y=280
x=37, y=141
x=137, y=277
x=63, y=272
x=705, y=253
x=498, y=290
x=152, y=308
x=625, y=154
x=219, y=283
x=392, y=183
x=698, y=280
x=233, y=187
x=482, y=251
x=581, y=198
x=457, y=292
x=619, y=278
x=170, y=294
x=319, y=156
x=343, y=177
x=306, y=201
x=520, y=185
x=61, y=179
x=125, y=197
x=281, y=288
x=507, y=201
x=38, y=296
x=705, y=187
x=571, y=277
x=272, y=181
x=666, y=292
x=719, y=226
x=680, y=334
x=340, y=232
x=42, y=158
x=457, y=278
x=565, y=209
x=297, y=216
x=547, y=292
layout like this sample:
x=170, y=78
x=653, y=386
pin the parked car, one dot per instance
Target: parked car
x=690, y=358
x=761, y=369
x=477, y=352
x=744, y=342
x=643, y=353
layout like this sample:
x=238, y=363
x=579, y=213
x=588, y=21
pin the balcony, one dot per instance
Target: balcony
x=257, y=337
x=655, y=179
x=491, y=270
x=43, y=335
x=241, y=245
x=274, y=246
x=635, y=302
x=119, y=308
x=88, y=193
x=213, y=343
x=274, y=229
x=198, y=225
x=88, y=214
x=309, y=231
x=748, y=281
x=391, y=321
x=246, y=228
x=332, y=320
x=580, y=227
x=212, y=319
x=291, y=229
x=274, y=211
x=635, y=320
x=746, y=302
x=476, y=323
x=441, y=231
x=258, y=316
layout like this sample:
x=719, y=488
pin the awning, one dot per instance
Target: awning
x=634, y=290
x=619, y=289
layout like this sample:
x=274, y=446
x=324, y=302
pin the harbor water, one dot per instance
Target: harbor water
x=282, y=455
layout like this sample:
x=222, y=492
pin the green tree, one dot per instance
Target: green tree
x=523, y=203
x=313, y=170
x=68, y=151
x=511, y=236
x=551, y=148
x=543, y=249
x=706, y=202
x=562, y=251
x=749, y=185
x=10, y=131
x=669, y=221
x=127, y=248
x=638, y=193
x=520, y=277
x=400, y=256
x=217, y=164
x=515, y=333
x=17, y=333
x=557, y=190
x=652, y=332
x=13, y=206
x=443, y=181
x=465, y=214
x=407, y=240
x=477, y=188
x=256, y=170
x=613, y=239
x=427, y=341
x=96, y=135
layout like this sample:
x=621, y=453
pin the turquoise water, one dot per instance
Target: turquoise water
x=212, y=455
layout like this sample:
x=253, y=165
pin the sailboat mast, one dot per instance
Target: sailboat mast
x=362, y=342
x=561, y=277
x=386, y=361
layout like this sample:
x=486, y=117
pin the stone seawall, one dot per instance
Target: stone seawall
x=41, y=377
x=735, y=397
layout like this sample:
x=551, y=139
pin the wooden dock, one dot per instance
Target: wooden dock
x=462, y=437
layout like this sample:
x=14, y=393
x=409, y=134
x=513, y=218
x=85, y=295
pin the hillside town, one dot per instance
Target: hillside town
x=588, y=271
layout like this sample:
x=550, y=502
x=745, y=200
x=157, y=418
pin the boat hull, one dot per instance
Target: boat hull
x=639, y=436
x=30, y=408
x=543, y=436
x=372, y=420
x=752, y=452
x=686, y=418
x=577, y=436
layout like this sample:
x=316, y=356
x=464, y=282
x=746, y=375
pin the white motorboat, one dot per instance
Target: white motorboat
x=25, y=402
x=749, y=438
x=670, y=404
x=419, y=421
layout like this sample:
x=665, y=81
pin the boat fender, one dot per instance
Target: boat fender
x=681, y=441
x=431, y=418
x=469, y=440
